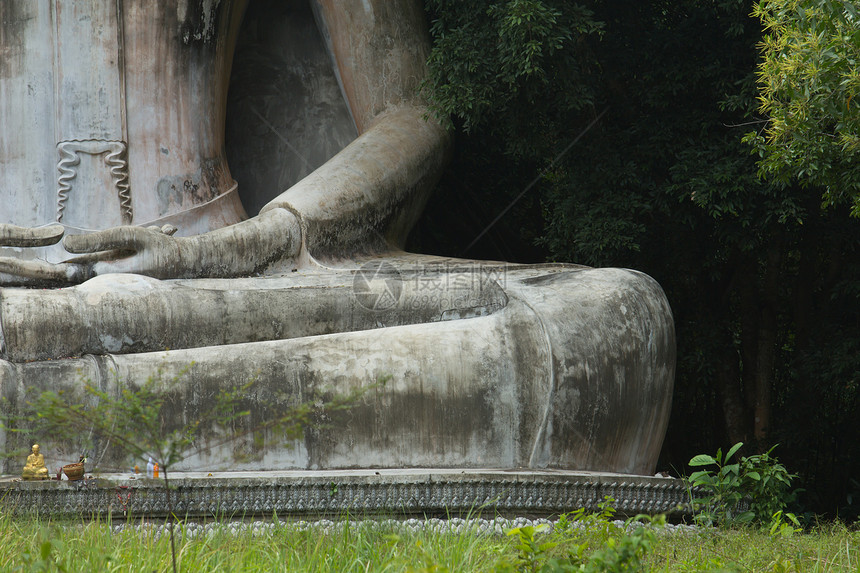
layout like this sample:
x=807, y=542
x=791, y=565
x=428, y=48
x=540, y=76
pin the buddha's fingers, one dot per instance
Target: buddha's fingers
x=15, y=236
x=41, y=271
x=148, y=251
x=116, y=238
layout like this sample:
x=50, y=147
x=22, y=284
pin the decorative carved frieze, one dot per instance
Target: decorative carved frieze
x=115, y=160
x=435, y=492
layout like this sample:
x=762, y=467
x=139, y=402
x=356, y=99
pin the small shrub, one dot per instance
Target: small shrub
x=751, y=490
x=767, y=485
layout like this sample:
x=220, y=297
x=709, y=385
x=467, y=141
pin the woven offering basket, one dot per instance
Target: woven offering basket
x=74, y=472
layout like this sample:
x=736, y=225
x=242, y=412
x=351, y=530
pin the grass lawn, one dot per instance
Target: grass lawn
x=596, y=544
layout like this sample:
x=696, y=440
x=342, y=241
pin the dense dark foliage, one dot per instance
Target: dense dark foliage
x=763, y=281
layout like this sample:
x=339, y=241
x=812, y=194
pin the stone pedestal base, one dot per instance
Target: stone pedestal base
x=391, y=493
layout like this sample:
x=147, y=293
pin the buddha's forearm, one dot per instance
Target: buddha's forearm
x=245, y=248
x=367, y=197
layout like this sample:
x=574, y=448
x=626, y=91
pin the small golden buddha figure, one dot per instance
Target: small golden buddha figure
x=35, y=468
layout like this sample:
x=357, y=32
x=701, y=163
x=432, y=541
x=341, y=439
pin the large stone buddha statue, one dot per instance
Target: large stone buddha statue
x=117, y=196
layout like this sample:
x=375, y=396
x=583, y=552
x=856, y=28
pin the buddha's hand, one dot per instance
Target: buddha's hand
x=151, y=251
x=36, y=270
x=246, y=248
x=272, y=238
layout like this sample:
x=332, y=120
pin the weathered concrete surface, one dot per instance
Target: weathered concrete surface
x=380, y=48
x=574, y=372
x=113, y=113
x=103, y=315
x=286, y=113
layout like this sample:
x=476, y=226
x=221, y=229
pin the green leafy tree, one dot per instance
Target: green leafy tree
x=494, y=60
x=809, y=81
